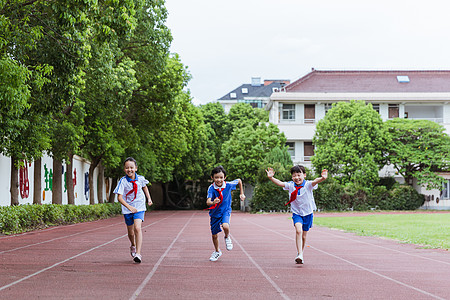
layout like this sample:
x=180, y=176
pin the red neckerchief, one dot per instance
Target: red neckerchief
x=294, y=193
x=135, y=187
x=219, y=190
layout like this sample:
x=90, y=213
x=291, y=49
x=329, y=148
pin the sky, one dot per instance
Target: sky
x=226, y=43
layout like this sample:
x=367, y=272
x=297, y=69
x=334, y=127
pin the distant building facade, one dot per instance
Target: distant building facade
x=297, y=107
x=256, y=93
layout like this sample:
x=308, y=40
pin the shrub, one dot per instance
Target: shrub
x=21, y=218
x=269, y=196
x=405, y=197
x=330, y=196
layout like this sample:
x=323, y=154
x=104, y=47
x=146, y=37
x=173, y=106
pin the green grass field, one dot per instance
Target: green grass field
x=428, y=230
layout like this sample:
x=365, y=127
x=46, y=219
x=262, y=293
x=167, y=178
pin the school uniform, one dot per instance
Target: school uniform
x=303, y=206
x=220, y=213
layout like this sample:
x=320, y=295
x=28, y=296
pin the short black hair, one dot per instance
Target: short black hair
x=218, y=169
x=298, y=169
x=130, y=159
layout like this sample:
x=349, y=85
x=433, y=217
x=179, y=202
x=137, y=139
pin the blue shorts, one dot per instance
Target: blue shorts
x=306, y=221
x=129, y=218
x=216, y=222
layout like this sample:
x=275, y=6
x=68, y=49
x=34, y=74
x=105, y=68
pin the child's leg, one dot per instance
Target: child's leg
x=226, y=229
x=138, y=234
x=131, y=236
x=299, y=237
x=304, y=239
x=215, y=239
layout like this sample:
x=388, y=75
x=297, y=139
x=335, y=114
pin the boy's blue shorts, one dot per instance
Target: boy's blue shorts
x=216, y=222
x=129, y=218
x=306, y=221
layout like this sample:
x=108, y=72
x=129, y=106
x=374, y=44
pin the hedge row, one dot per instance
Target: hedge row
x=331, y=195
x=21, y=218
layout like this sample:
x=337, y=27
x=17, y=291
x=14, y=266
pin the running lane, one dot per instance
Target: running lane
x=92, y=260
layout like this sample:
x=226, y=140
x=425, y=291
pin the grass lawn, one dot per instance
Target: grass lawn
x=432, y=230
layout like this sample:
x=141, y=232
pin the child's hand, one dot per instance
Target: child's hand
x=242, y=196
x=270, y=172
x=150, y=202
x=133, y=209
x=217, y=200
x=324, y=174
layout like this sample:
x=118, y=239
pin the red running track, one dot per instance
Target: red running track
x=92, y=261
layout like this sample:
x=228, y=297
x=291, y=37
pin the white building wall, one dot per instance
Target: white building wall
x=80, y=168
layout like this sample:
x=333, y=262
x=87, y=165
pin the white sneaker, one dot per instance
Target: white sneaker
x=229, y=243
x=137, y=258
x=299, y=258
x=133, y=251
x=215, y=255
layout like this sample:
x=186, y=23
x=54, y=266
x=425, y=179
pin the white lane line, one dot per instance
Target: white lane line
x=354, y=264
x=279, y=290
x=70, y=258
x=394, y=250
x=55, y=239
x=155, y=267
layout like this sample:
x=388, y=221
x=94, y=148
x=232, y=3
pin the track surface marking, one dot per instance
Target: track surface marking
x=92, y=261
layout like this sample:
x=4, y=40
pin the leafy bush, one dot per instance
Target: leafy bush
x=405, y=197
x=269, y=196
x=21, y=218
x=329, y=196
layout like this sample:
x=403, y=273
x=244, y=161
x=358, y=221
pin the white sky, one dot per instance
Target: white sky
x=225, y=43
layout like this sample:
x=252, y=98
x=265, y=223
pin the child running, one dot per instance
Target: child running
x=220, y=207
x=302, y=203
x=130, y=193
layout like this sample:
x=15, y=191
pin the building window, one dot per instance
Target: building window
x=288, y=111
x=445, y=194
x=328, y=107
x=393, y=111
x=291, y=148
x=376, y=107
x=310, y=113
x=308, y=150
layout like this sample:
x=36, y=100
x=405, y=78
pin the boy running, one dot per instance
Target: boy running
x=220, y=207
x=130, y=193
x=302, y=203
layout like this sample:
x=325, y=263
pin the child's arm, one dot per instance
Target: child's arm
x=322, y=178
x=209, y=202
x=241, y=188
x=270, y=172
x=147, y=194
x=124, y=203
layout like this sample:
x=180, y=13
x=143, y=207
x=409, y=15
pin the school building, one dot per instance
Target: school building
x=297, y=107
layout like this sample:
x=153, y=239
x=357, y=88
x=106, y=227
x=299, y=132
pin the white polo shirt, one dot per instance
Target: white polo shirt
x=124, y=186
x=304, y=204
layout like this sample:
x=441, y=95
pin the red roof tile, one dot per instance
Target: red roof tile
x=371, y=81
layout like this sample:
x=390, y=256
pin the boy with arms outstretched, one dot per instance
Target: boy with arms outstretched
x=219, y=202
x=302, y=203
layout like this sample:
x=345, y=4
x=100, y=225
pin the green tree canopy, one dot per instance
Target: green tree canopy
x=245, y=151
x=419, y=149
x=350, y=142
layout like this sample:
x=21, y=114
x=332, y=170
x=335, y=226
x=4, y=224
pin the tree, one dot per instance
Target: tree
x=350, y=142
x=215, y=117
x=243, y=114
x=419, y=149
x=245, y=151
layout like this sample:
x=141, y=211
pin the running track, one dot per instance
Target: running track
x=92, y=261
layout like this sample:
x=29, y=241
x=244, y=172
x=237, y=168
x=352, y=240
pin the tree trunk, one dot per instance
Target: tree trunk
x=57, y=182
x=37, y=193
x=14, y=189
x=92, y=167
x=69, y=180
x=112, y=196
x=100, y=181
